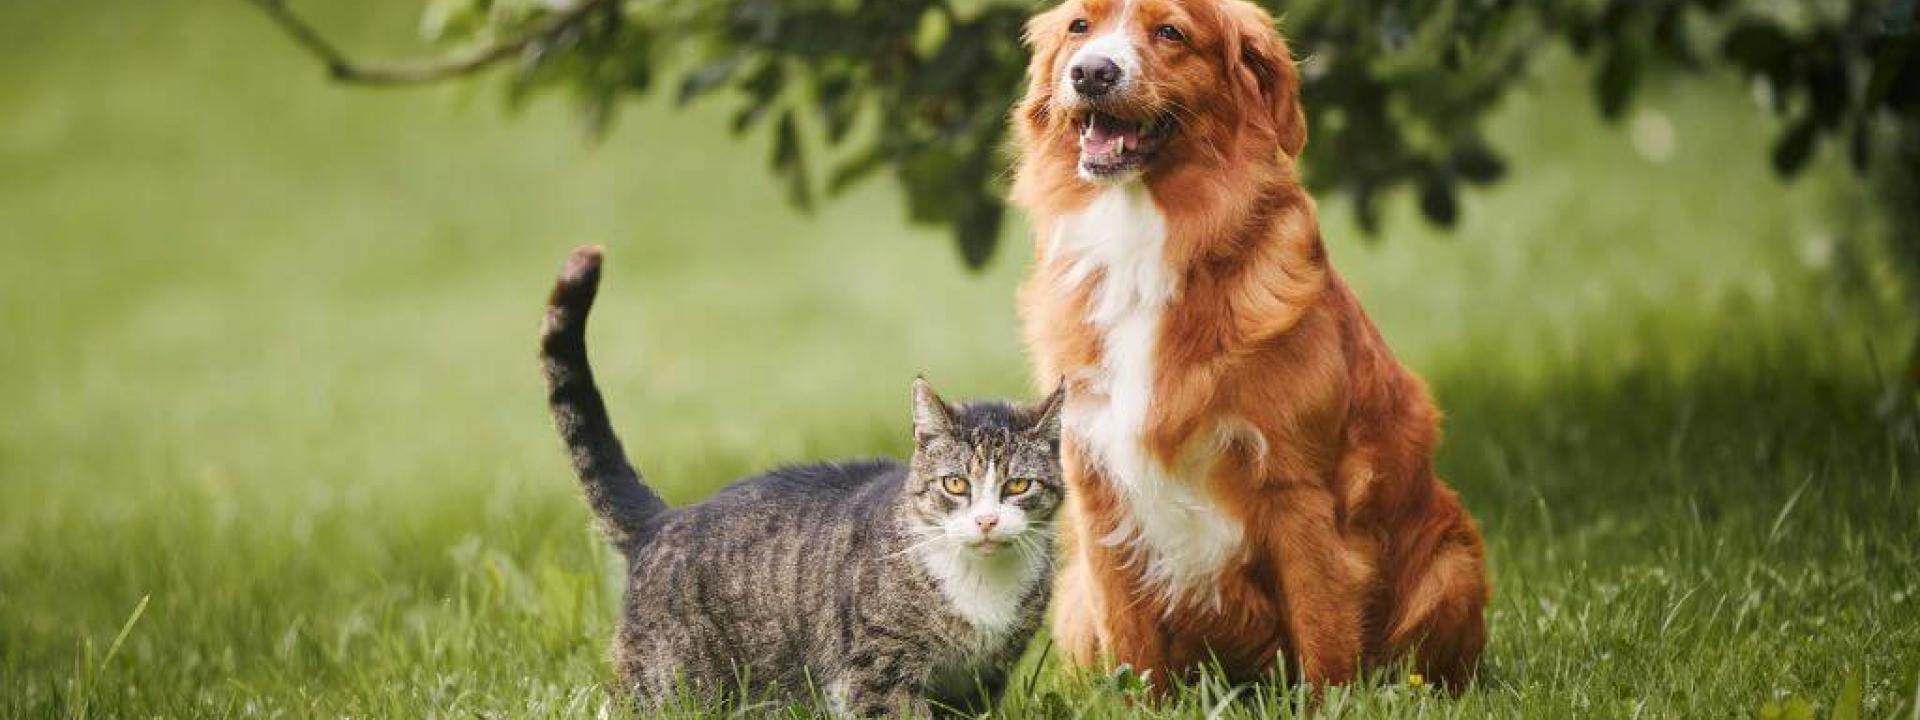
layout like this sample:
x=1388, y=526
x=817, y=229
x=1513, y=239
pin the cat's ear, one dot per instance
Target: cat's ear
x=1046, y=415
x=931, y=416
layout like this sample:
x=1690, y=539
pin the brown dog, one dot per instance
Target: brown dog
x=1250, y=469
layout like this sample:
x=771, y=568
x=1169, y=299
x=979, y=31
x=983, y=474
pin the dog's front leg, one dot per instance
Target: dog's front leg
x=1323, y=580
x=1099, y=619
x=1092, y=630
x=1077, y=611
x=1079, y=608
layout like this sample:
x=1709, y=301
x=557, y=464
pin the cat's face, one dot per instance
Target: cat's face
x=985, y=478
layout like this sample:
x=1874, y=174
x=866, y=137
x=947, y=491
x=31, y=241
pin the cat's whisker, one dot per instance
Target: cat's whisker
x=926, y=540
x=1027, y=544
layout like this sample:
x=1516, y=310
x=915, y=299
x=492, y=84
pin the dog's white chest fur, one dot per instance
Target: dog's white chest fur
x=1181, y=536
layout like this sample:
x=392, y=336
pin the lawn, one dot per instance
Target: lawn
x=275, y=442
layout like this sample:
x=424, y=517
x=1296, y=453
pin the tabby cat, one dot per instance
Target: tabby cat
x=879, y=586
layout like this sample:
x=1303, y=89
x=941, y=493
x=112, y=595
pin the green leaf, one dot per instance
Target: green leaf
x=1439, y=200
x=1848, y=706
x=978, y=230
x=1619, y=75
x=1477, y=163
x=762, y=88
x=837, y=106
x=1124, y=679
x=1437, y=33
x=855, y=169
x=1757, y=45
x=1888, y=59
x=931, y=32
x=790, y=161
x=1860, y=145
x=747, y=117
x=444, y=18
x=707, y=77
x=928, y=175
x=1366, y=209
x=598, y=106
x=512, y=15
x=1791, y=152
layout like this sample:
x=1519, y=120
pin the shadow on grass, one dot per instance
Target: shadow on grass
x=1680, y=540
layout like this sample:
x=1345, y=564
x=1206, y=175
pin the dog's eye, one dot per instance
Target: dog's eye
x=1078, y=26
x=1169, y=32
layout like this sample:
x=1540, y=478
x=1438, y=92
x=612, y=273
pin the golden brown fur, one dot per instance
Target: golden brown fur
x=1352, y=552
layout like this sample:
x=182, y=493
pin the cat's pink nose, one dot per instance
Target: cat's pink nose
x=987, y=523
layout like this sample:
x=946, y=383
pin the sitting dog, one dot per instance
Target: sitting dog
x=1249, y=468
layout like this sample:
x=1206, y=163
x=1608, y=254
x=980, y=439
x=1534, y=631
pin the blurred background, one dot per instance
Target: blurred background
x=275, y=441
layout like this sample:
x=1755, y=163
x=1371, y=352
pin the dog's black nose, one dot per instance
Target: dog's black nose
x=1094, y=76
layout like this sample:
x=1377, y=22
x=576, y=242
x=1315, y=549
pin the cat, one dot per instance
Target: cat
x=878, y=586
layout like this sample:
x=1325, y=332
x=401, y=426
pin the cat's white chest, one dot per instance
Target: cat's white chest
x=1119, y=242
x=985, y=591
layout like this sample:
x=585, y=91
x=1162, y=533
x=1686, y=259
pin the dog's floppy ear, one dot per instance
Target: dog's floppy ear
x=1042, y=38
x=1263, y=69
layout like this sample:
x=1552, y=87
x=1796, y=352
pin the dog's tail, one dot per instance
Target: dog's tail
x=614, y=489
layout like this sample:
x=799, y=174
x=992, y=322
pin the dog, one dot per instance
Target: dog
x=1249, y=468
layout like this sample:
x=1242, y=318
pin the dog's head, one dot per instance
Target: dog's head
x=1125, y=87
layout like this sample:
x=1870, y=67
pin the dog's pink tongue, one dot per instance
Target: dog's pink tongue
x=1106, y=135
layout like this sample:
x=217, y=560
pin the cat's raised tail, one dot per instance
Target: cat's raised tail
x=614, y=489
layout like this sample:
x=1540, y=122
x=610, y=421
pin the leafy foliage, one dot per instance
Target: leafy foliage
x=1396, y=91
x=938, y=79
x=1830, y=70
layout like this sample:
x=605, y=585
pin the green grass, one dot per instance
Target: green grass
x=274, y=442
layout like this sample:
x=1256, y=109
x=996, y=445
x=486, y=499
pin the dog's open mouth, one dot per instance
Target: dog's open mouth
x=1111, y=146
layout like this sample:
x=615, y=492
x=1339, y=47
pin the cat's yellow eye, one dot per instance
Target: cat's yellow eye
x=955, y=485
x=1016, y=486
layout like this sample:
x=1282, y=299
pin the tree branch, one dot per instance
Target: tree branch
x=344, y=69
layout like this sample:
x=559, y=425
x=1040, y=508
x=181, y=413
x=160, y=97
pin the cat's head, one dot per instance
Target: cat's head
x=985, y=476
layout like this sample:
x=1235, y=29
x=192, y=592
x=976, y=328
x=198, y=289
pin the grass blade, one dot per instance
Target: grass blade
x=1773, y=534
x=126, y=628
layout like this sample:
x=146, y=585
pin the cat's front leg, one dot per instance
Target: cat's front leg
x=869, y=698
x=881, y=681
x=980, y=697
